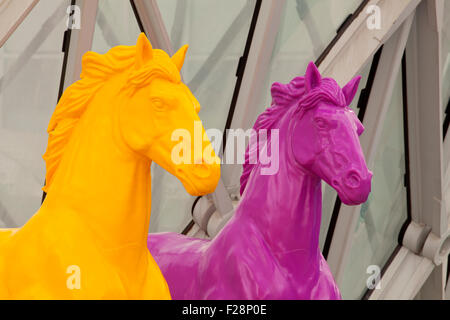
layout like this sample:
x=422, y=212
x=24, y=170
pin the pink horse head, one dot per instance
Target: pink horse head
x=325, y=138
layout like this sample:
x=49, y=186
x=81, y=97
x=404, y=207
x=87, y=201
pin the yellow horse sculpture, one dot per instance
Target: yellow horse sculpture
x=89, y=238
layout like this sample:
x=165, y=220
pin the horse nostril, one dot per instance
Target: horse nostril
x=335, y=183
x=201, y=170
x=353, y=179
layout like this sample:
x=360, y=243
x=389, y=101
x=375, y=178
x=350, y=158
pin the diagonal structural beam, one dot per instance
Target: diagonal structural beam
x=153, y=24
x=47, y=27
x=425, y=119
x=80, y=40
x=221, y=48
x=256, y=70
x=12, y=13
x=358, y=43
x=404, y=277
x=428, y=235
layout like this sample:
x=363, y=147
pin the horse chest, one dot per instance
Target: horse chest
x=247, y=270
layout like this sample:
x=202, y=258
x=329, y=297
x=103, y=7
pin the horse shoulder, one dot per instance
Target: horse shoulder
x=241, y=266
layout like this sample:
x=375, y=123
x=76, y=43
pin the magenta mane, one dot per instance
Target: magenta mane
x=283, y=97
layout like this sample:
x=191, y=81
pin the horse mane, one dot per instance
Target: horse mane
x=283, y=97
x=96, y=70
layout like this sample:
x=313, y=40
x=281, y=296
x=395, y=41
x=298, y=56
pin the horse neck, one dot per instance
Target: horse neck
x=102, y=181
x=285, y=207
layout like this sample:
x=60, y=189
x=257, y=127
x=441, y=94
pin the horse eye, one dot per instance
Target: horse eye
x=321, y=123
x=158, y=103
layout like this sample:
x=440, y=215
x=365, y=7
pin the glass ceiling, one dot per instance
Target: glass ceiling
x=115, y=25
x=307, y=27
x=382, y=216
x=30, y=71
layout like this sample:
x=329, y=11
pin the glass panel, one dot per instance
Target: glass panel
x=307, y=27
x=115, y=25
x=30, y=71
x=382, y=216
x=328, y=193
x=216, y=32
x=446, y=56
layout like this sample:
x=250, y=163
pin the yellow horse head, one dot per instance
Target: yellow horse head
x=157, y=105
x=126, y=111
x=155, y=113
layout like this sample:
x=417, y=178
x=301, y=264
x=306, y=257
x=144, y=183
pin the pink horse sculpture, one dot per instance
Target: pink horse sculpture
x=270, y=248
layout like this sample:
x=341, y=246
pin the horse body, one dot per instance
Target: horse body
x=88, y=239
x=85, y=226
x=270, y=247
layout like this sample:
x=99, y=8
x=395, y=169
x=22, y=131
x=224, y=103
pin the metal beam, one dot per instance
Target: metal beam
x=46, y=29
x=434, y=286
x=377, y=107
x=358, y=44
x=424, y=68
x=221, y=48
x=153, y=25
x=176, y=32
x=423, y=56
x=406, y=274
x=256, y=70
x=12, y=13
x=447, y=290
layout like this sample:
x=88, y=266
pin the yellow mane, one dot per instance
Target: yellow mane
x=73, y=103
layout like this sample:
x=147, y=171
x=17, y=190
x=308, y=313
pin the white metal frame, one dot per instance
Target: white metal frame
x=428, y=234
x=419, y=267
x=405, y=277
x=256, y=70
x=358, y=44
x=425, y=125
x=378, y=104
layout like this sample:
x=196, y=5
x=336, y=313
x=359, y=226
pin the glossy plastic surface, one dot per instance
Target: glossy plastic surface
x=270, y=248
x=88, y=240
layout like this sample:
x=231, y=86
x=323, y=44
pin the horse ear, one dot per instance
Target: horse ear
x=312, y=77
x=178, y=57
x=350, y=89
x=144, y=51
